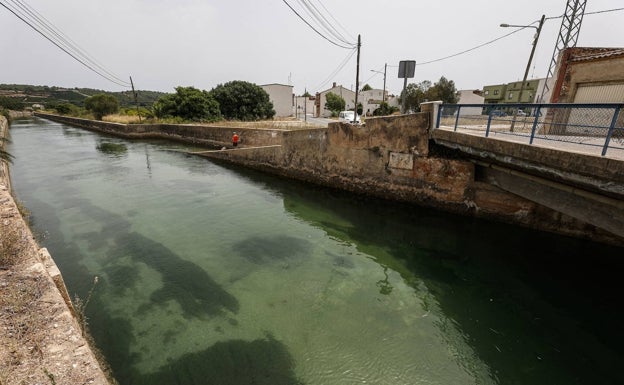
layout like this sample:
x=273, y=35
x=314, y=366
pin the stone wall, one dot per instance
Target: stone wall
x=387, y=158
x=210, y=135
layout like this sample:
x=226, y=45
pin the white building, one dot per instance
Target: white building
x=282, y=97
x=371, y=100
x=470, y=97
x=321, y=99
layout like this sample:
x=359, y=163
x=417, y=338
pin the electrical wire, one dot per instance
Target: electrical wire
x=337, y=22
x=511, y=33
x=66, y=41
x=315, y=30
x=472, y=49
x=338, y=69
x=29, y=16
x=322, y=21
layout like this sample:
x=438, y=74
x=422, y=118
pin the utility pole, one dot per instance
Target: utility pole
x=136, y=101
x=538, y=30
x=528, y=67
x=383, y=96
x=357, y=78
x=305, y=104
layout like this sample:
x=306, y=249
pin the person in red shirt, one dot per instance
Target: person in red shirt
x=235, y=140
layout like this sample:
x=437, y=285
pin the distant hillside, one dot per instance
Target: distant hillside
x=45, y=95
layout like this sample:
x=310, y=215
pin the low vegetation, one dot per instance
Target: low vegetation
x=101, y=104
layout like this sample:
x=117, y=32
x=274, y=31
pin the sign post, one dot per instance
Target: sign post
x=406, y=71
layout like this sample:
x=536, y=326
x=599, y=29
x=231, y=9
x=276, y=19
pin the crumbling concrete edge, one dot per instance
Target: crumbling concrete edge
x=47, y=268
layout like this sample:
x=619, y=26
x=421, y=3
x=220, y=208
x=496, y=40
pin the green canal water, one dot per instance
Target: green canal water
x=212, y=274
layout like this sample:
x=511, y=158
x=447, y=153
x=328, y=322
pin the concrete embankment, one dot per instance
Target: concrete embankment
x=41, y=339
x=207, y=135
x=390, y=158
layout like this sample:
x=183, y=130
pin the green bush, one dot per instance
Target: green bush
x=102, y=104
x=11, y=103
x=240, y=100
x=384, y=109
x=335, y=103
x=188, y=103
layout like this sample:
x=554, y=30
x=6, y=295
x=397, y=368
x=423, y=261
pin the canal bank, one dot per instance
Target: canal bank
x=390, y=158
x=42, y=341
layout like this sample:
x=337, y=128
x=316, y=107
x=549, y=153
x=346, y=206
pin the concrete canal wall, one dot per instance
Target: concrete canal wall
x=50, y=346
x=390, y=158
x=217, y=136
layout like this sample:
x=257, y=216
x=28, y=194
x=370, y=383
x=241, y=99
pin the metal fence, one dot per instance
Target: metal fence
x=595, y=128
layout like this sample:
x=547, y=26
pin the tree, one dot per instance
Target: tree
x=188, y=103
x=335, y=103
x=360, y=109
x=243, y=101
x=366, y=87
x=443, y=90
x=384, y=109
x=102, y=104
x=63, y=108
x=11, y=103
x=414, y=94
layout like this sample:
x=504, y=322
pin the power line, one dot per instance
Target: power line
x=315, y=30
x=67, y=42
x=322, y=21
x=338, y=69
x=511, y=33
x=337, y=22
x=29, y=16
x=472, y=49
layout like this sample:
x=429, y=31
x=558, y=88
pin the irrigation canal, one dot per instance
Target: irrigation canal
x=211, y=274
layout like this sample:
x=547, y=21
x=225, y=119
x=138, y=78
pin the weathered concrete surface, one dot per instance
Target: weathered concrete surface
x=586, y=187
x=391, y=158
x=600, y=174
x=49, y=346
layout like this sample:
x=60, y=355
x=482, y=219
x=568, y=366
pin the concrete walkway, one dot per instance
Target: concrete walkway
x=589, y=146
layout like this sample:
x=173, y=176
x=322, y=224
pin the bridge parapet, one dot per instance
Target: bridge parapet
x=590, y=128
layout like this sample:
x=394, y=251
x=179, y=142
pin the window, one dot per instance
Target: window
x=487, y=92
x=510, y=96
x=495, y=92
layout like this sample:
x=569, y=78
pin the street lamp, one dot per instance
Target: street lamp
x=383, y=96
x=537, y=35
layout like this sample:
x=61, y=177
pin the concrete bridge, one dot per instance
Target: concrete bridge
x=585, y=187
x=566, y=175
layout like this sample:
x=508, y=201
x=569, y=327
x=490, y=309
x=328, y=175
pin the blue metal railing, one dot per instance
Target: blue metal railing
x=595, y=125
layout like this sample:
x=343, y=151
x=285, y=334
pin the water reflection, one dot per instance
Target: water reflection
x=113, y=149
x=518, y=298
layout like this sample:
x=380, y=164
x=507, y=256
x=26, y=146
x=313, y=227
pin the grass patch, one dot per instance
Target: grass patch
x=123, y=119
x=10, y=246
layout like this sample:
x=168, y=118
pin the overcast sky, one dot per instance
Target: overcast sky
x=202, y=43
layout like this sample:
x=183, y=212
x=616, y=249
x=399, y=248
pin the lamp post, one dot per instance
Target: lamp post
x=537, y=35
x=383, y=96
